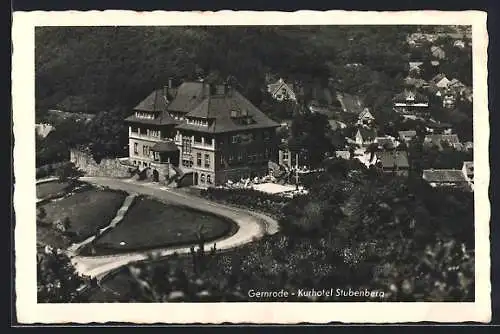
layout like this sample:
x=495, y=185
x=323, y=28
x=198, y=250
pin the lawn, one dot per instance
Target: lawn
x=151, y=224
x=47, y=189
x=87, y=211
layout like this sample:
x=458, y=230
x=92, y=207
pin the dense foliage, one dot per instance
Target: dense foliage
x=57, y=280
x=355, y=229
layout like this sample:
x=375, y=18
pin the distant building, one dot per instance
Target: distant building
x=454, y=178
x=449, y=99
x=364, y=136
x=43, y=129
x=415, y=67
x=281, y=91
x=411, y=102
x=386, y=142
x=459, y=44
x=440, y=81
x=394, y=162
x=440, y=139
x=438, y=52
x=208, y=133
x=468, y=170
x=343, y=154
x=407, y=136
x=365, y=118
x=350, y=103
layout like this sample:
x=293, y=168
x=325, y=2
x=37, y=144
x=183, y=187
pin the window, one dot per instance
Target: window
x=157, y=156
x=235, y=139
x=222, y=160
x=240, y=156
x=202, y=178
x=136, y=149
x=198, y=159
x=285, y=155
x=267, y=135
x=209, y=179
x=145, y=150
x=207, y=161
x=186, y=145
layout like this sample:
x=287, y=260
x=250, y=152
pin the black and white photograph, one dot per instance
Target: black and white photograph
x=316, y=164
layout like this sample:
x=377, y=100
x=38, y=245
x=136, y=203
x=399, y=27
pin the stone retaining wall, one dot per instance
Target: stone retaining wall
x=107, y=167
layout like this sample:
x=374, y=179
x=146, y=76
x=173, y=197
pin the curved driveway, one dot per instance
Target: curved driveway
x=252, y=226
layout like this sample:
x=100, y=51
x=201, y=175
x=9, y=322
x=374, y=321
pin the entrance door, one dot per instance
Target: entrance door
x=156, y=176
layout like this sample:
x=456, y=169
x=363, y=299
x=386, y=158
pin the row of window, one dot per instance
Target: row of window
x=207, y=180
x=207, y=160
x=148, y=132
x=245, y=138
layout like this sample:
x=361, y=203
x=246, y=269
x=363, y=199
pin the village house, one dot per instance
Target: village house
x=407, y=136
x=386, y=142
x=207, y=133
x=439, y=140
x=364, y=136
x=437, y=52
x=281, y=91
x=365, y=118
x=411, y=102
x=343, y=154
x=459, y=44
x=415, y=67
x=394, y=162
x=449, y=99
x=44, y=129
x=454, y=178
x=468, y=170
x=440, y=80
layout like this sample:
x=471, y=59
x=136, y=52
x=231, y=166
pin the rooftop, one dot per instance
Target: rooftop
x=443, y=175
x=389, y=159
x=226, y=112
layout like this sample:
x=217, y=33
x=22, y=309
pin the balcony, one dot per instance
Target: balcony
x=204, y=146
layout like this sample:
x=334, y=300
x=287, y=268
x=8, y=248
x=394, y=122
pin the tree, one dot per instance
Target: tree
x=309, y=133
x=57, y=280
x=68, y=171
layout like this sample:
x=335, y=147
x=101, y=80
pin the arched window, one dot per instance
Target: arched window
x=202, y=178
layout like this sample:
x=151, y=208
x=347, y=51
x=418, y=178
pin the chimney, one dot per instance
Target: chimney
x=206, y=89
x=165, y=91
x=228, y=89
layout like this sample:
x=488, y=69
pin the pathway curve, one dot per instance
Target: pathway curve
x=73, y=249
x=252, y=226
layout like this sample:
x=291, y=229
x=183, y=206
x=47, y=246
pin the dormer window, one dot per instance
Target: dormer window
x=239, y=113
x=144, y=115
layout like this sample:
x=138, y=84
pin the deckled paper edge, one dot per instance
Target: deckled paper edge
x=29, y=312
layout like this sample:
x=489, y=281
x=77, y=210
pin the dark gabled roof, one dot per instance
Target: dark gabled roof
x=165, y=147
x=189, y=94
x=443, y=175
x=217, y=110
x=389, y=159
x=156, y=103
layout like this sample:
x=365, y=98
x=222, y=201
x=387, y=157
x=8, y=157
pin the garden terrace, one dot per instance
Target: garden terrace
x=152, y=224
x=88, y=210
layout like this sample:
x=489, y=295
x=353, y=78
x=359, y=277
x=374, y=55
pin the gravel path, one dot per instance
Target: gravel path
x=252, y=226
